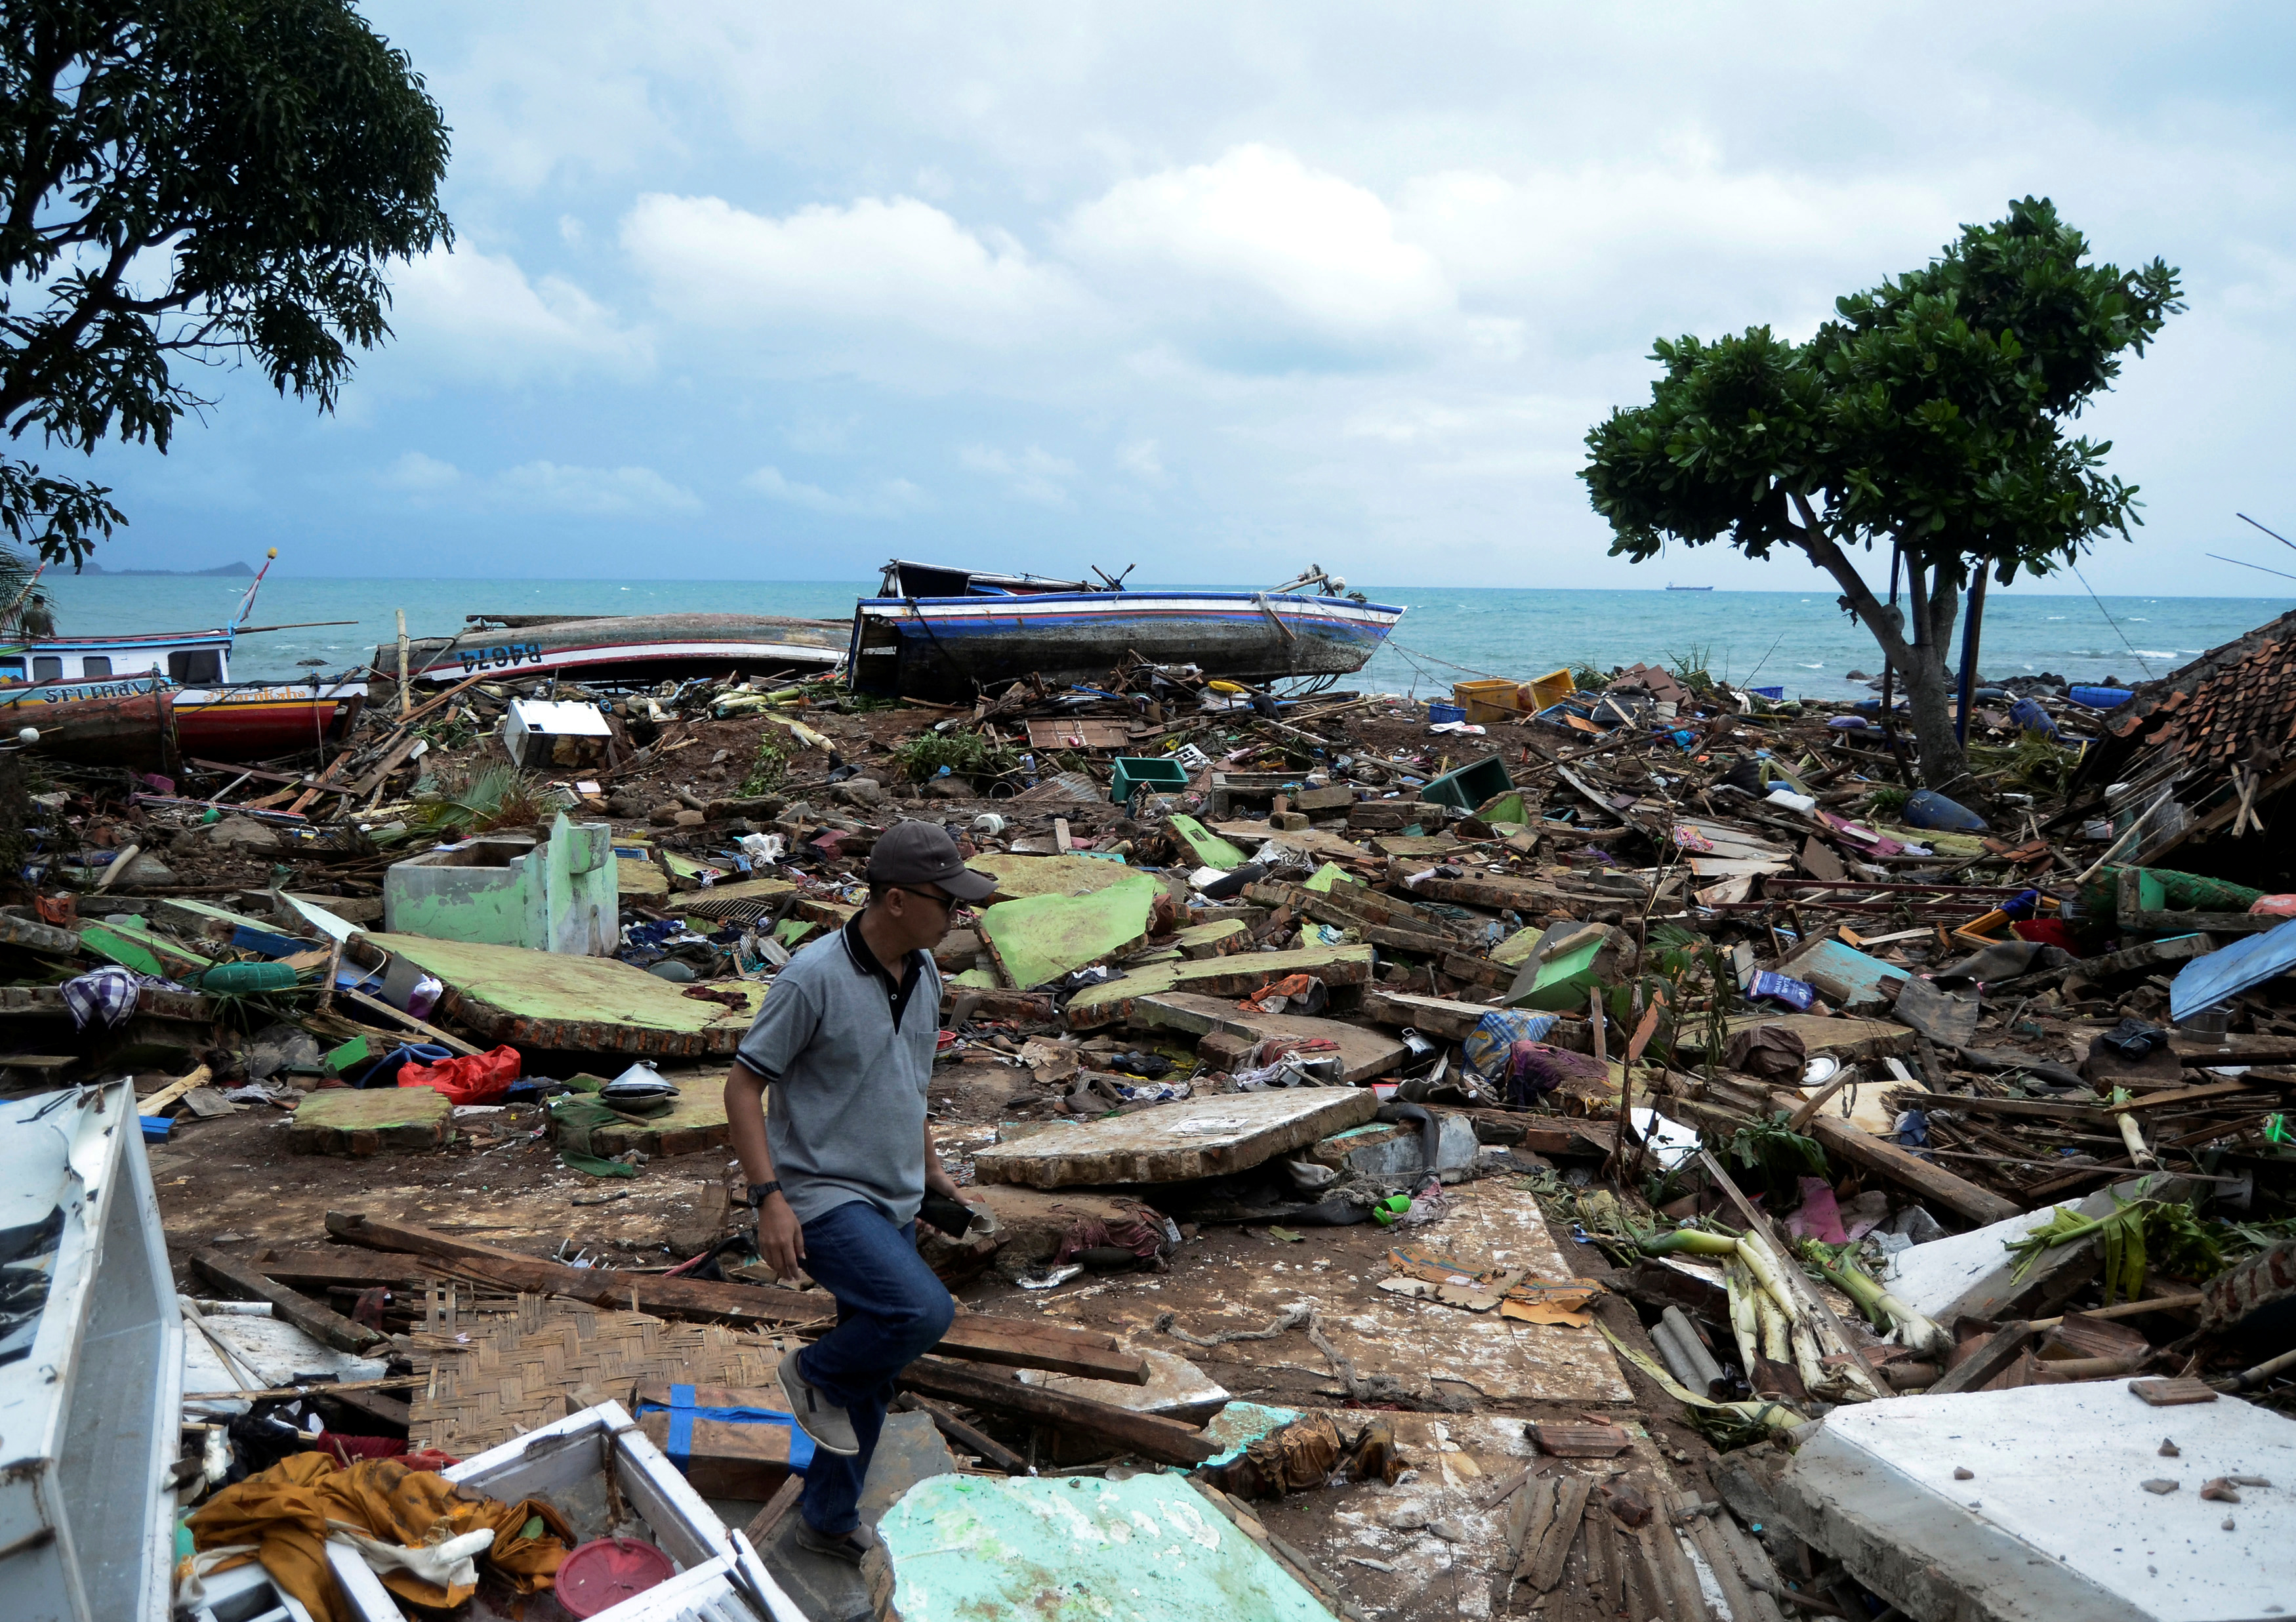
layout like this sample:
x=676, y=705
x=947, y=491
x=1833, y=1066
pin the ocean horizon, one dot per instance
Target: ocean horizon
x=1799, y=640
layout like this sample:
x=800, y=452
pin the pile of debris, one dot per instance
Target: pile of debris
x=1593, y=1147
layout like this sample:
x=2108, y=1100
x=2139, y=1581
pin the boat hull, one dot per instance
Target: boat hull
x=945, y=648
x=628, y=649
x=263, y=723
x=96, y=723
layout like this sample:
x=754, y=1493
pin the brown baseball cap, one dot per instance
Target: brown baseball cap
x=923, y=853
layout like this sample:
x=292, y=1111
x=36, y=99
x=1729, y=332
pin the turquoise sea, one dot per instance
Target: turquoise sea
x=1799, y=640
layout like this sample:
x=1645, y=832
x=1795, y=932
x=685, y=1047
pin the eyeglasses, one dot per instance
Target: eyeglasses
x=947, y=903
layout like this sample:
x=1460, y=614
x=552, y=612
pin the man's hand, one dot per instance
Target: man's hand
x=780, y=1240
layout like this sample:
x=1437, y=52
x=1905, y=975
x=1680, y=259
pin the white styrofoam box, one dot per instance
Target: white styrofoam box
x=530, y=719
x=719, y=1576
x=89, y=1417
x=244, y=1593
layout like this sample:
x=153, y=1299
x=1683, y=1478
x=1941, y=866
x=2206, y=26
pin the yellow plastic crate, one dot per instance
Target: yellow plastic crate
x=1487, y=701
x=1549, y=690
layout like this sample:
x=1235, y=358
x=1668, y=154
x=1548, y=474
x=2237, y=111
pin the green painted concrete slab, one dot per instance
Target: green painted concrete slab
x=1321, y=879
x=1079, y=1549
x=694, y=1121
x=1041, y=937
x=1212, y=940
x=1517, y=946
x=351, y=1120
x=548, y=999
x=1076, y=874
x=1229, y=976
x=1208, y=848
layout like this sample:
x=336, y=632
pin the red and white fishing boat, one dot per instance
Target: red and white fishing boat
x=156, y=698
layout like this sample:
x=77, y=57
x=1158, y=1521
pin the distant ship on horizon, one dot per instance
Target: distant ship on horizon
x=1671, y=586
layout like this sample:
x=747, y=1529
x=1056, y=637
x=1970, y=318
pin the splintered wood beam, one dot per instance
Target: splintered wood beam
x=1964, y=1198
x=1149, y=1435
x=323, y=1322
x=1088, y=1353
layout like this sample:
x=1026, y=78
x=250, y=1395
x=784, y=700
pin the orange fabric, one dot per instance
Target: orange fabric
x=286, y=1508
x=477, y=1078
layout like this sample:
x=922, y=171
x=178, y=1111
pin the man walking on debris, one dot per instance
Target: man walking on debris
x=841, y=1164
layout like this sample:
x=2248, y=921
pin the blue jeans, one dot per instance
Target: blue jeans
x=891, y=1310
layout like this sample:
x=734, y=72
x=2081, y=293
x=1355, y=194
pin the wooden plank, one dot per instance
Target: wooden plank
x=763, y=1524
x=2039, y=1109
x=406, y=1021
x=1150, y=1436
x=2233, y=1049
x=2005, y=1346
x=2185, y=1095
x=1546, y=1563
x=321, y=1322
x=1568, y=1441
x=1966, y=1198
x=1086, y=1353
x=986, y=1448
x=172, y=1092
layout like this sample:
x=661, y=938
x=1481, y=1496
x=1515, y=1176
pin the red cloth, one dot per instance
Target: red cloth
x=2048, y=932
x=481, y=1079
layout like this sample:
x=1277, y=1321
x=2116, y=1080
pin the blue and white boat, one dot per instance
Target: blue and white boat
x=940, y=633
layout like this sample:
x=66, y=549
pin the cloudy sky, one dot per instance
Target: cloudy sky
x=778, y=293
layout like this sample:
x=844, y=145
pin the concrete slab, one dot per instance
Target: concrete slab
x=1397, y=1151
x=1217, y=939
x=1229, y=1132
x=1846, y=1039
x=1205, y=848
x=1019, y=875
x=1041, y=937
x=349, y=1121
x=1363, y=1054
x=1429, y=1352
x=1974, y=1274
x=553, y=1001
x=909, y=1451
x=1230, y=976
x=1078, y=1546
x=694, y=1121
x=640, y=879
x=2054, y=1521
x=1176, y=1388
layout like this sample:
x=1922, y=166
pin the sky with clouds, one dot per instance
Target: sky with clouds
x=778, y=293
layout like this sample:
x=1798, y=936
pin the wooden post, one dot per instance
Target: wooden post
x=406, y=701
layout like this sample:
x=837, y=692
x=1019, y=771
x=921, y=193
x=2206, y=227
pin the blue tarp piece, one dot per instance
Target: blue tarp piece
x=2210, y=980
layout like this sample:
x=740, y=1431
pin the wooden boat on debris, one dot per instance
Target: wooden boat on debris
x=143, y=698
x=635, y=650
x=127, y=723
x=996, y=628
x=142, y=721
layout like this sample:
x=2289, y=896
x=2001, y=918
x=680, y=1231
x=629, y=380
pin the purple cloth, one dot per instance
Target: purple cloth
x=106, y=995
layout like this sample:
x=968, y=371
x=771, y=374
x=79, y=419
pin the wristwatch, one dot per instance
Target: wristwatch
x=759, y=1190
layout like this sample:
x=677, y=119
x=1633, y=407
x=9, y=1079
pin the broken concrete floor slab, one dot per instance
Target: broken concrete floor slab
x=1148, y=1546
x=1430, y=1353
x=1230, y=976
x=1205, y=1137
x=348, y=1121
x=2054, y=1518
x=1019, y=877
x=550, y=1001
x=1363, y=1054
x=1040, y=938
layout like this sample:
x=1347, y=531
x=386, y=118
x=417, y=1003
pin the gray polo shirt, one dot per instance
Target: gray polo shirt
x=847, y=1055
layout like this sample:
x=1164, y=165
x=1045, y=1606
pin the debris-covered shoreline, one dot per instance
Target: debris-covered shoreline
x=1516, y=1153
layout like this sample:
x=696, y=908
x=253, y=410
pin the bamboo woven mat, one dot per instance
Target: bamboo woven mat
x=520, y=1369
